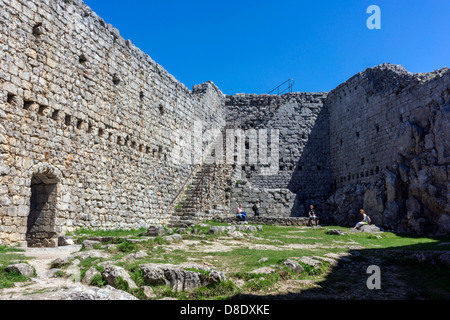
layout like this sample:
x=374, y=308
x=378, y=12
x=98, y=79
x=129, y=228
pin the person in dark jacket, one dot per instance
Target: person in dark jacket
x=256, y=208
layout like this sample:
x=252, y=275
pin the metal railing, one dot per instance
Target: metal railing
x=288, y=83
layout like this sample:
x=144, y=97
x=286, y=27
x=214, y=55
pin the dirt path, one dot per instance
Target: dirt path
x=45, y=279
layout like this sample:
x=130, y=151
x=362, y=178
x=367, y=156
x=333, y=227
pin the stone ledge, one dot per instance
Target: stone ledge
x=284, y=221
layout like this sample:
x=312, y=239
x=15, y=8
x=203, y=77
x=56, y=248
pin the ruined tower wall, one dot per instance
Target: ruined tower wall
x=86, y=107
x=390, y=151
x=365, y=113
x=302, y=170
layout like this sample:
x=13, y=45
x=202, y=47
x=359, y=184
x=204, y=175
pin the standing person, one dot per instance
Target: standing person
x=240, y=213
x=256, y=208
x=313, y=218
x=365, y=220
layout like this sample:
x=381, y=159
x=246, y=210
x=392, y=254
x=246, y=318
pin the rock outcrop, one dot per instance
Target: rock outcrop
x=186, y=277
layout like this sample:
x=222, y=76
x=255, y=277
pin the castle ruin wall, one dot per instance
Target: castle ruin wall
x=78, y=99
x=302, y=167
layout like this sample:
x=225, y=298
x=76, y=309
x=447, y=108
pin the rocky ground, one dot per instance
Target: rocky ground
x=46, y=285
x=238, y=261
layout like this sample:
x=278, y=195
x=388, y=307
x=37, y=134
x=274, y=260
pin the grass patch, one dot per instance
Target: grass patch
x=98, y=281
x=60, y=274
x=218, y=291
x=87, y=263
x=7, y=279
x=11, y=255
x=127, y=247
x=257, y=281
x=108, y=233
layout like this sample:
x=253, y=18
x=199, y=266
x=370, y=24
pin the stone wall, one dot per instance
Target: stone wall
x=299, y=173
x=90, y=127
x=280, y=221
x=78, y=100
x=390, y=151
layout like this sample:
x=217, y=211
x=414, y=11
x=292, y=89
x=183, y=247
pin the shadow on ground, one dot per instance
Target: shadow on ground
x=413, y=272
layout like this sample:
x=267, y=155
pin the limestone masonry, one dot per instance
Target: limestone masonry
x=89, y=126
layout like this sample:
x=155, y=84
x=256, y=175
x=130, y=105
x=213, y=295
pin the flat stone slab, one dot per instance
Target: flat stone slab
x=263, y=270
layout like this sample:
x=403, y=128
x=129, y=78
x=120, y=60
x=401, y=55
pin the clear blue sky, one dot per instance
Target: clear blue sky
x=251, y=46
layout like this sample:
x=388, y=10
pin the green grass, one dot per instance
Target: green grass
x=87, y=263
x=7, y=279
x=98, y=281
x=127, y=247
x=10, y=255
x=108, y=233
x=276, y=244
x=60, y=274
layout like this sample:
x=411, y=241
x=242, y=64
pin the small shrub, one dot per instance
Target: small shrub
x=98, y=281
x=60, y=274
x=127, y=247
x=120, y=284
x=137, y=276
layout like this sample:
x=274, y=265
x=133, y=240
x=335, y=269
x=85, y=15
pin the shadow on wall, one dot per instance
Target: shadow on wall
x=408, y=272
x=311, y=177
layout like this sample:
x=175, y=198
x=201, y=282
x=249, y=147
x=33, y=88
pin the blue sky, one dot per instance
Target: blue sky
x=251, y=46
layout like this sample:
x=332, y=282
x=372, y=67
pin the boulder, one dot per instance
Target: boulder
x=89, y=275
x=181, y=230
x=22, y=268
x=331, y=261
x=236, y=234
x=293, y=265
x=112, y=274
x=83, y=255
x=263, y=270
x=155, y=231
x=217, y=230
x=185, y=277
x=311, y=262
x=89, y=244
x=92, y=293
x=148, y=292
x=369, y=228
x=336, y=232
x=174, y=238
x=134, y=256
x=60, y=262
x=246, y=228
x=65, y=241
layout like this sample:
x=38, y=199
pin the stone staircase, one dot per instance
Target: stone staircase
x=204, y=196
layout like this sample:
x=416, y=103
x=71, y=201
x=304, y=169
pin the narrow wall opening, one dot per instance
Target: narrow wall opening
x=41, y=219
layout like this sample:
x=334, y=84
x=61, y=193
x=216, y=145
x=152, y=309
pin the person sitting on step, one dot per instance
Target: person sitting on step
x=240, y=213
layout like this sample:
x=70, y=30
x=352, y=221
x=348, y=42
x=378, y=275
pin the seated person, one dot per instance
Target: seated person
x=313, y=218
x=365, y=220
x=240, y=214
